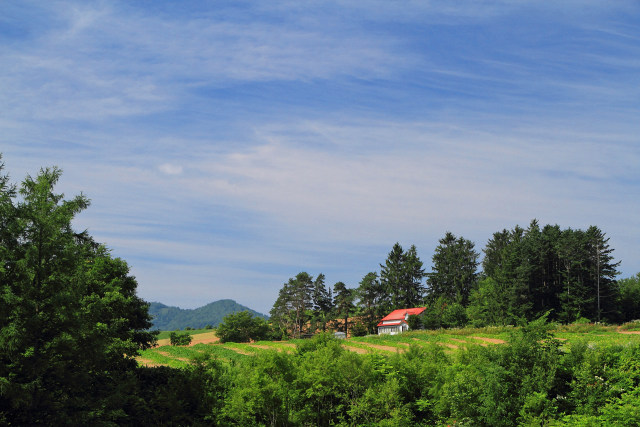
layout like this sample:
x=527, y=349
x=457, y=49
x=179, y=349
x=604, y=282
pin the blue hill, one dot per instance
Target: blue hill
x=167, y=318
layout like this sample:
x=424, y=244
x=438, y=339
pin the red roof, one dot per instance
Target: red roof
x=400, y=314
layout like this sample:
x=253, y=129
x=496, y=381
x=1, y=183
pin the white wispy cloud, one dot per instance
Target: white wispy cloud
x=228, y=147
x=170, y=169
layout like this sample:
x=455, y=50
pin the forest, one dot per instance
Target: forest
x=568, y=274
x=72, y=325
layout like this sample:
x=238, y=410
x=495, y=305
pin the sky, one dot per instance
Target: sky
x=227, y=146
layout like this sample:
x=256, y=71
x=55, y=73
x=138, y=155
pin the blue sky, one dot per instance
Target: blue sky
x=227, y=146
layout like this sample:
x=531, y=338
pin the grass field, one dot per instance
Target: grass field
x=451, y=339
x=163, y=335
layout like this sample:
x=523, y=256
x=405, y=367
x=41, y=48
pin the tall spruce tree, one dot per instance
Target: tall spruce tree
x=570, y=272
x=322, y=301
x=343, y=303
x=454, y=275
x=601, y=273
x=401, y=278
x=370, y=294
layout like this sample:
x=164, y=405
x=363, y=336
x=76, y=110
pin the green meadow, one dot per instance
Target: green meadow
x=452, y=340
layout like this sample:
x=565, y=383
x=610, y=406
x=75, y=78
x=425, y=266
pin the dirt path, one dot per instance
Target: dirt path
x=241, y=351
x=146, y=362
x=379, y=347
x=205, y=338
x=618, y=330
x=169, y=355
x=356, y=349
x=163, y=342
x=270, y=347
x=286, y=344
x=452, y=346
x=490, y=340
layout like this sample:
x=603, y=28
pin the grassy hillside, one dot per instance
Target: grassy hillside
x=166, y=318
x=452, y=340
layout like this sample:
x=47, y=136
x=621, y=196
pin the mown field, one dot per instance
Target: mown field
x=452, y=340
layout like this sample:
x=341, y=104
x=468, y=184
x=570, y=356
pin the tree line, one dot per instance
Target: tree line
x=524, y=273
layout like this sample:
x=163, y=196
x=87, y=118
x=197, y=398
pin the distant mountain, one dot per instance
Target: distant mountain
x=167, y=318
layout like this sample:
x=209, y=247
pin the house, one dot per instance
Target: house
x=396, y=322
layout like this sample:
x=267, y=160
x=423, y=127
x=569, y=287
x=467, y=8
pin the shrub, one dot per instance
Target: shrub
x=180, y=338
x=242, y=327
x=359, y=330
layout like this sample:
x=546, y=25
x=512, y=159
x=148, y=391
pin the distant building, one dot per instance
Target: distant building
x=396, y=322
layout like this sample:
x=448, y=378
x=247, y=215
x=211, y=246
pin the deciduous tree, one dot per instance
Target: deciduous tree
x=242, y=327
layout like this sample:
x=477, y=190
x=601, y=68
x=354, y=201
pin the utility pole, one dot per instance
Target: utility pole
x=598, y=276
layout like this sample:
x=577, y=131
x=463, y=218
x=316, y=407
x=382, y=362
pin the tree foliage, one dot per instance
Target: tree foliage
x=371, y=297
x=629, y=298
x=529, y=380
x=343, y=304
x=570, y=272
x=401, y=278
x=70, y=318
x=322, y=302
x=242, y=327
x=176, y=338
x=298, y=300
x=454, y=275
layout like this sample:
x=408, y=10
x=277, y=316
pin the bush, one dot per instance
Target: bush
x=242, y=327
x=358, y=330
x=180, y=339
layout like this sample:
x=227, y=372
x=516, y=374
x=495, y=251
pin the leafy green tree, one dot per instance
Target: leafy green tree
x=454, y=275
x=488, y=305
x=442, y=313
x=370, y=295
x=358, y=330
x=263, y=391
x=242, y=327
x=629, y=298
x=343, y=303
x=322, y=302
x=176, y=338
x=294, y=305
x=71, y=321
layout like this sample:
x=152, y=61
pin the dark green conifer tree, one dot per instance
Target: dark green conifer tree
x=71, y=321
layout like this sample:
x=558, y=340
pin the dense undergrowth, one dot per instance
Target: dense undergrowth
x=533, y=379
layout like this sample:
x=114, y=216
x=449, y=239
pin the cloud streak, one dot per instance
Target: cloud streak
x=227, y=148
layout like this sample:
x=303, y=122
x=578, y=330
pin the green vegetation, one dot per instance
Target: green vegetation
x=161, y=335
x=177, y=338
x=242, y=327
x=565, y=274
x=71, y=323
x=536, y=377
x=75, y=346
